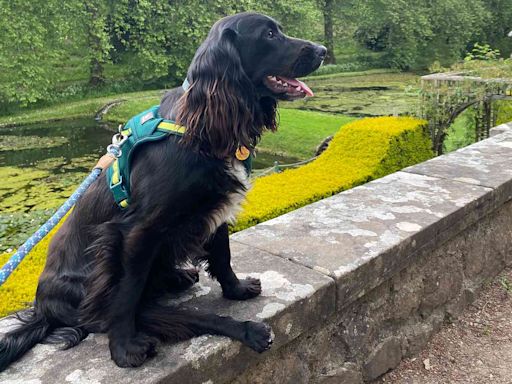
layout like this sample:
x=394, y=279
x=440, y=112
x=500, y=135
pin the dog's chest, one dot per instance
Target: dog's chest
x=227, y=210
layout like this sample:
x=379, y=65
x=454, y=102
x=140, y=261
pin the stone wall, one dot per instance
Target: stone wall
x=366, y=338
x=351, y=284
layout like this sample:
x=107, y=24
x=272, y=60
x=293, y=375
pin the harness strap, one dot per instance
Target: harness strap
x=171, y=127
x=145, y=127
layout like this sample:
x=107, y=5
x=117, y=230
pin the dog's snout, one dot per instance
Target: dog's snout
x=321, y=51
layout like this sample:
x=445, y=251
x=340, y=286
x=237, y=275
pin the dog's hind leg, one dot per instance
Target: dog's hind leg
x=141, y=246
x=171, y=324
x=219, y=266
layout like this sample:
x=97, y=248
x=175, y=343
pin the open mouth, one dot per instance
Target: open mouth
x=293, y=88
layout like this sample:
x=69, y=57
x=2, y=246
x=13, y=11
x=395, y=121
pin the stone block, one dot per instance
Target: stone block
x=349, y=373
x=441, y=281
x=387, y=355
x=503, y=128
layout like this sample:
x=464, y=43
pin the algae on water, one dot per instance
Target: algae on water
x=18, y=143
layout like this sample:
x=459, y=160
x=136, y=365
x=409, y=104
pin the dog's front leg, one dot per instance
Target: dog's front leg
x=127, y=347
x=219, y=267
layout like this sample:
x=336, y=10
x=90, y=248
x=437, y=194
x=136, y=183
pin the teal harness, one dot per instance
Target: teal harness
x=146, y=127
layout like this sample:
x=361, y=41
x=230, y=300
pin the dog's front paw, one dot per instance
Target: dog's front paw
x=258, y=336
x=243, y=290
x=132, y=352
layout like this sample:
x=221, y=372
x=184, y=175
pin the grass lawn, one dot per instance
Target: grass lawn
x=71, y=110
x=303, y=125
x=300, y=132
x=32, y=193
x=366, y=93
x=120, y=114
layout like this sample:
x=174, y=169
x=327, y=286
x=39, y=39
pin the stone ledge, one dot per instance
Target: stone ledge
x=348, y=281
x=363, y=236
x=293, y=300
x=486, y=163
x=501, y=129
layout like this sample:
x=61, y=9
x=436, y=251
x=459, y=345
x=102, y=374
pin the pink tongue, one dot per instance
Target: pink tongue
x=298, y=83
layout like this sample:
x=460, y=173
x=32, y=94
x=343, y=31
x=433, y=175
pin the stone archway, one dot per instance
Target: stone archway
x=444, y=96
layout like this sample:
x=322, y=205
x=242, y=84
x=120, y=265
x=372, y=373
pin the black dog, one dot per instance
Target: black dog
x=106, y=267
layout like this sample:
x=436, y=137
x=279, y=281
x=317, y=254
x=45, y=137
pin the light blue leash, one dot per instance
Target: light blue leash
x=113, y=152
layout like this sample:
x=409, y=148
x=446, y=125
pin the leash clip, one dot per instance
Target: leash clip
x=117, y=141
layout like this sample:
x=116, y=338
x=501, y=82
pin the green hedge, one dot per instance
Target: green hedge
x=361, y=151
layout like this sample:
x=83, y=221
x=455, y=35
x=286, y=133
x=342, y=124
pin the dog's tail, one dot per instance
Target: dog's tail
x=17, y=342
x=35, y=328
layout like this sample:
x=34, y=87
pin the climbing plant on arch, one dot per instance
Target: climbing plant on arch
x=444, y=96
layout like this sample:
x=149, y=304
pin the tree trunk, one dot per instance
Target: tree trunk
x=96, y=41
x=328, y=8
x=97, y=77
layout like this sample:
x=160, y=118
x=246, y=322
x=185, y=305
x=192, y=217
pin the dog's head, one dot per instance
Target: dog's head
x=245, y=64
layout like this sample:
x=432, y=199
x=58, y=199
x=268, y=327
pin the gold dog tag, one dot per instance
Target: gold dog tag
x=242, y=153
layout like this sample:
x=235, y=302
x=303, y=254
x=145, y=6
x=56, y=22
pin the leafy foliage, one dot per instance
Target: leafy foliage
x=479, y=79
x=53, y=50
x=413, y=34
x=35, y=37
x=504, y=112
x=20, y=288
x=482, y=52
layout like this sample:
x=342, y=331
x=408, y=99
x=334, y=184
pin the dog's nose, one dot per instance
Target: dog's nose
x=321, y=51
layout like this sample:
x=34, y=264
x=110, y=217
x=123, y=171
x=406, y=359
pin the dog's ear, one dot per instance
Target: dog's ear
x=218, y=107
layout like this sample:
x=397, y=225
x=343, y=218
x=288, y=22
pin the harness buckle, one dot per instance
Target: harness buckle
x=119, y=139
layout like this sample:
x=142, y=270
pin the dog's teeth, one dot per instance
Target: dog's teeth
x=279, y=82
x=273, y=78
x=285, y=84
x=298, y=88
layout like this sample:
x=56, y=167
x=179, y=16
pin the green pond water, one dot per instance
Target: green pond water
x=42, y=164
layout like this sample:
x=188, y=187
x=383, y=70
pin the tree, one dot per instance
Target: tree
x=159, y=38
x=498, y=25
x=414, y=34
x=35, y=38
x=98, y=39
x=327, y=7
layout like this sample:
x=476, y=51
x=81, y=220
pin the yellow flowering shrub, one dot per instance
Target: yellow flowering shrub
x=19, y=289
x=362, y=150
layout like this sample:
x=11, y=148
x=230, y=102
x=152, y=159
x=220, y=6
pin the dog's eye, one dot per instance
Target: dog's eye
x=270, y=34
